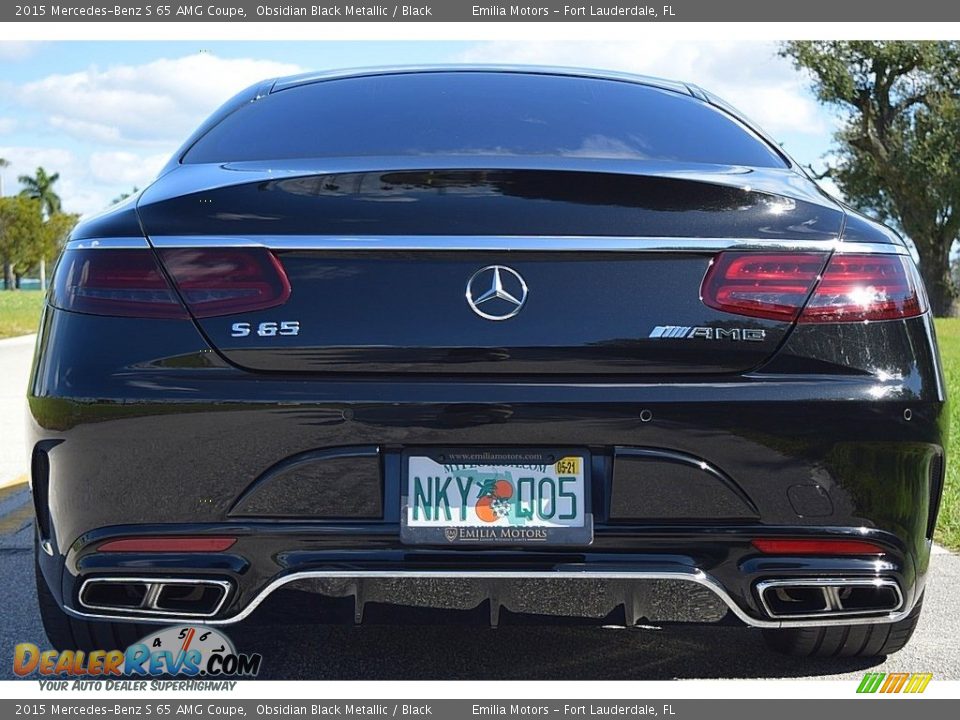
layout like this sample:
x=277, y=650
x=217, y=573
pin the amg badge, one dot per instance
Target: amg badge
x=683, y=332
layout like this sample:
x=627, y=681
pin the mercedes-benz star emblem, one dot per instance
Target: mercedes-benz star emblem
x=496, y=292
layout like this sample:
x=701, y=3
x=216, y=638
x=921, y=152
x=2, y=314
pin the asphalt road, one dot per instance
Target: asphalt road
x=294, y=649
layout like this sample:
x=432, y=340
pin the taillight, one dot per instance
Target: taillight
x=866, y=287
x=765, y=285
x=222, y=281
x=131, y=283
x=115, y=282
x=851, y=288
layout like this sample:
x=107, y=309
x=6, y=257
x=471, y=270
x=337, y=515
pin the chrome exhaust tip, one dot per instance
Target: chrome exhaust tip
x=177, y=597
x=819, y=598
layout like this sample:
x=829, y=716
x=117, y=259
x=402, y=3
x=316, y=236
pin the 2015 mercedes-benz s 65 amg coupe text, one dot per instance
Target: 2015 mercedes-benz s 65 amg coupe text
x=505, y=343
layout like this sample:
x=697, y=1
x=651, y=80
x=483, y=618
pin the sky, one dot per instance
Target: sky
x=108, y=115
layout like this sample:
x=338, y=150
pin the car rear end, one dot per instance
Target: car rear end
x=564, y=345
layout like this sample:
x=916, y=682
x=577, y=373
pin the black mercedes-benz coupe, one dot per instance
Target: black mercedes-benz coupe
x=499, y=342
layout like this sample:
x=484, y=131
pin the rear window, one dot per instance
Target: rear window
x=481, y=114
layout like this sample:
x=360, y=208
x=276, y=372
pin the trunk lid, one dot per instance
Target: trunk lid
x=410, y=269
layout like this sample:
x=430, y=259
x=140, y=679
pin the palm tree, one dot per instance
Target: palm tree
x=40, y=187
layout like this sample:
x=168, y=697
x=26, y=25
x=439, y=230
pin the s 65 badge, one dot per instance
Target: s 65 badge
x=266, y=329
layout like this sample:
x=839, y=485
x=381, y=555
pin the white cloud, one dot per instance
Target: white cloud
x=125, y=168
x=17, y=50
x=86, y=184
x=156, y=103
x=122, y=122
x=749, y=76
x=25, y=161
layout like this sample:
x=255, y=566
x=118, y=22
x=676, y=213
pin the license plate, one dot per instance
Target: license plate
x=496, y=497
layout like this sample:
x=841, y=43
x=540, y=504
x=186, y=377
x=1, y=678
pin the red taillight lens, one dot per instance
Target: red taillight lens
x=851, y=288
x=130, y=282
x=230, y=280
x=115, y=282
x=169, y=544
x=803, y=546
x=765, y=285
x=866, y=287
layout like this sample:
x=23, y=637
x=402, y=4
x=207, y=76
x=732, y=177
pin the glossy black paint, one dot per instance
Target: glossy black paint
x=586, y=313
x=448, y=197
x=768, y=432
x=154, y=427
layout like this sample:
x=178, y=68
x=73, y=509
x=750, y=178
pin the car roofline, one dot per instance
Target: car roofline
x=292, y=81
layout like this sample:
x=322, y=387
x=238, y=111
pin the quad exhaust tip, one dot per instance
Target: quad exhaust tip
x=180, y=597
x=829, y=597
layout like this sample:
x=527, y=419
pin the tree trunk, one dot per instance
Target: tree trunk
x=935, y=269
x=16, y=280
x=8, y=275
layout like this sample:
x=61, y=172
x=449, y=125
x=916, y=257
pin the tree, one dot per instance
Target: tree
x=40, y=187
x=899, y=145
x=21, y=224
x=56, y=230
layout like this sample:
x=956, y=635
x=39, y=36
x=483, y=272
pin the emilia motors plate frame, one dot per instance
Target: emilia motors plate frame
x=497, y=535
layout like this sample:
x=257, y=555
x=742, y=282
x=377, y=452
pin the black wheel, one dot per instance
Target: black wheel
x=845, y=640
x=68, y=633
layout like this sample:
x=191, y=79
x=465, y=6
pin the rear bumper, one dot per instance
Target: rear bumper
x=164, y=438
x=652, y=591
x=665, y=573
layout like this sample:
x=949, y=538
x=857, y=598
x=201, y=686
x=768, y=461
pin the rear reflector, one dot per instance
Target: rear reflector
x=800, y=546
x=131, y=283
x=851, y=288
x=168, y=544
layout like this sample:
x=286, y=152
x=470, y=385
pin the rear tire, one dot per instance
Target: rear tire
x=69, y=633
x=845, y=640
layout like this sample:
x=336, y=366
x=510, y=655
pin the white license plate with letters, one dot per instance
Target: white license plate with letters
x=516, y=497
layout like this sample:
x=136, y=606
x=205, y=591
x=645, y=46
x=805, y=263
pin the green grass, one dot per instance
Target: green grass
x=948, y=525
x=19, y=312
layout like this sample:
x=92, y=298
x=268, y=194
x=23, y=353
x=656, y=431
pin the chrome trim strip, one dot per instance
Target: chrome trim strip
x=508, y=243
x=698, y=577
x=154, y=587
x=112, y=243
x=835, y=608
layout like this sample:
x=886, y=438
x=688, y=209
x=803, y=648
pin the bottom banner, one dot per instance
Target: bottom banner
x=473, y=709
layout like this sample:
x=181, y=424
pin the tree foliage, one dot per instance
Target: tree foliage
x=32, y=227
x=21, y=224
x=899, y=144
x=40, y=187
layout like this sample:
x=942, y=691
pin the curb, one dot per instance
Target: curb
x=18, y=340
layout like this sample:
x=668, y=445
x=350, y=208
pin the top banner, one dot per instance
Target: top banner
x=467, y=11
